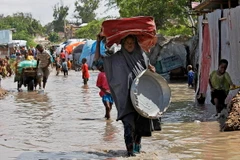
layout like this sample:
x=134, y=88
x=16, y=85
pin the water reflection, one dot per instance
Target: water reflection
x=31, y=97
x=109, y=131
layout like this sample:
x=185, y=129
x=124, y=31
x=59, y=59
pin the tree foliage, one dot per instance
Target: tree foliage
x=25, y=25
x=22, y=22
x=85, y=10
x=168, y=14
x=53, y=37
x=49, y=28
x=60, y=13
x=91, y=30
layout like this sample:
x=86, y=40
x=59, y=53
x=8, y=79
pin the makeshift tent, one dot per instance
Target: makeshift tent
x=89, y=49
x=87, y=52
x=102, y=48
x=169, y=63
x=78, y=49
x=76, y=54
x=66, y=43
x=69, y=48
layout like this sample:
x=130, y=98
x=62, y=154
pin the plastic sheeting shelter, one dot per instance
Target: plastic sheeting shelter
x=69, y=48
x=5, y=36
x=18, y=43
x=89, y=49
x=66, y=43
x=168, y=63
x=77, y=53
x=78, y=49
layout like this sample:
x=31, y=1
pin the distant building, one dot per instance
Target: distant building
x=5, y=38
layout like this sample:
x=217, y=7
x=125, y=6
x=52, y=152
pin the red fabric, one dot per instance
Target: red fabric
x=62, y=55
x=85, y=72
x=102, y=82
x=143, y=27
x=206, y=61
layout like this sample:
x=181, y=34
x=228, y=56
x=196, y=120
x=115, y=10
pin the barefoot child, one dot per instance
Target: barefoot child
x=220, y=83
x=105, y=91
x=85, y=73
x=64, y=67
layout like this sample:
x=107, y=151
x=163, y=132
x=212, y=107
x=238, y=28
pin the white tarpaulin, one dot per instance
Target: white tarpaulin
x=17, y=43
x=233, y=29
x=213, y=22
x=5, y=36
x=200, y=32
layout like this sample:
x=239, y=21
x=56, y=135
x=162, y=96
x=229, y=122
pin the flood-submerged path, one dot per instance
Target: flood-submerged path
x=66, y=123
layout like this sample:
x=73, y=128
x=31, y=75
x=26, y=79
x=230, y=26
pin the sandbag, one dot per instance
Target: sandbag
x=143, y=27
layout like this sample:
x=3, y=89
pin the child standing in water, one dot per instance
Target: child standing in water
x=190, y=75
x=64, y=67
x=220, y=83
x=85, y=73
x=104, y=89
x=58, y=65
x=69, y=64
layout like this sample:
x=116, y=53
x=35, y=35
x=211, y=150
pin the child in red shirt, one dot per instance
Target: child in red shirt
x=85, y=73
x=104, y=90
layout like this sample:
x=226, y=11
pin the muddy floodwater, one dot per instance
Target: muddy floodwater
x=66, y=123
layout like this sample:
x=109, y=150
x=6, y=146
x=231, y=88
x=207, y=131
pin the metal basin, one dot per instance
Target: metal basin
x=150, y=94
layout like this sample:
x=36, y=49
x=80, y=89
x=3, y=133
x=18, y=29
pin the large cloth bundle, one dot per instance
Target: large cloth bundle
x=26, y=64
x=142, y=27
x=21, y=65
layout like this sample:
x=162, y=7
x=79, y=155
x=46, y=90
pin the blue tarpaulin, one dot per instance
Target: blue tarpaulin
x=89, y=49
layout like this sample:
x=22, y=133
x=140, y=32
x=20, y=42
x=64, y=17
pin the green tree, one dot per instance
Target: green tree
x=23, y=35
x=167, y=13
x=49, y=28
x=22, y=22
x=91, y=30
x=25, y=25
x=53, y=37
x=85, y=10
x=60, y=13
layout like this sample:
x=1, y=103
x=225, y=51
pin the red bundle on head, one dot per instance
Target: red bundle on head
x=143, y=28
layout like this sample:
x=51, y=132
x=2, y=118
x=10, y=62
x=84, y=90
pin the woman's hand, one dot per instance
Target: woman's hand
x=99, y=38
x=151, y=68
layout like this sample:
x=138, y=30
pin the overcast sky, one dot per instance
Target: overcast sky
x=42, y=9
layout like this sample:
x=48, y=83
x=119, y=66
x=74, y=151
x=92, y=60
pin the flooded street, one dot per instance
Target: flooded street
x=66, y=123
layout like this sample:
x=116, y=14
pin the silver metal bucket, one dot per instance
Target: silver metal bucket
x=150, y=94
